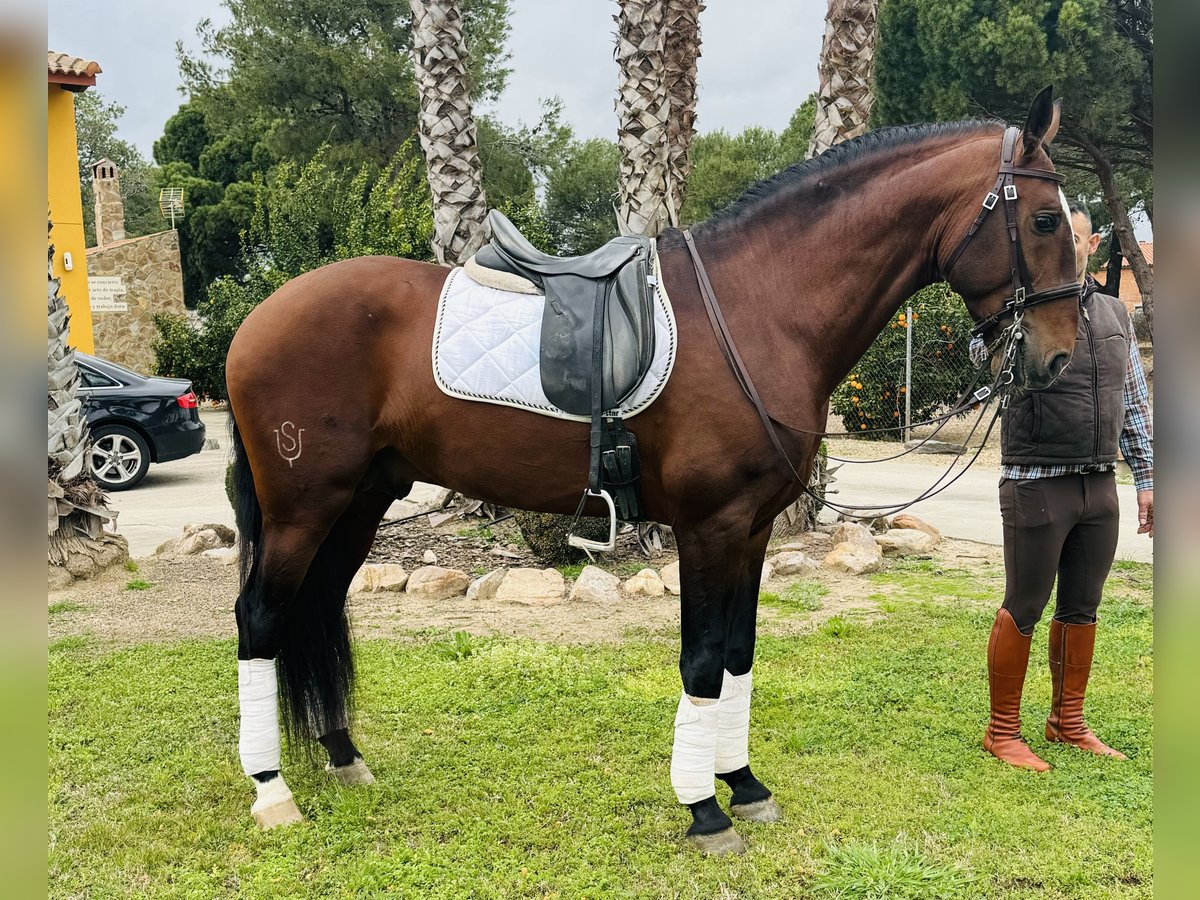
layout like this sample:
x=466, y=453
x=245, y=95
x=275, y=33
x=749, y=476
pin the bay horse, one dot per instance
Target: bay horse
x=337, y=414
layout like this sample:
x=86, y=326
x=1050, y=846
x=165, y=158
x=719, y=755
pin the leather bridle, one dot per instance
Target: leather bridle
x=1005, y=189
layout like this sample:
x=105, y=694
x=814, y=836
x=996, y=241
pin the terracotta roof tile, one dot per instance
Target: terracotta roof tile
x=66, y=64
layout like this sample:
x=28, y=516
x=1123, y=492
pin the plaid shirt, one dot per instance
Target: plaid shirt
x=1137, y=437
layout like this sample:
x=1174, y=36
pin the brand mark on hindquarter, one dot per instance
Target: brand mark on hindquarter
x=288, y=441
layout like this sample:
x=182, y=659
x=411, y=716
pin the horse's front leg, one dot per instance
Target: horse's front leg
x=712, y=568
x=751, y=800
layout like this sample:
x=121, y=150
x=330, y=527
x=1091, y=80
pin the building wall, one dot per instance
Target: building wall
x=66, y=213
x=149, y=267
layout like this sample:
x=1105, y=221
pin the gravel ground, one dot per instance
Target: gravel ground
x=192, y=598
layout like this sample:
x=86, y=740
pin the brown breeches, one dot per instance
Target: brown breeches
x=1065, y=527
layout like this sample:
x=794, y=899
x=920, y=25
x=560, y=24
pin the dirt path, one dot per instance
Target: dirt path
x=192, y=597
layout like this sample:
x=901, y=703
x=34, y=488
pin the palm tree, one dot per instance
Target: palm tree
x=682, y=48
x=643, y=109
x=845, y=95
x=78, y=546
x=447, y=127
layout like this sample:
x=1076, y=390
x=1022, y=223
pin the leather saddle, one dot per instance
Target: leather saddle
x=612, y=284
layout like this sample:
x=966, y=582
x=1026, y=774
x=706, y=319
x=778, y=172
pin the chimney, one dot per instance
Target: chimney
x=110, y=211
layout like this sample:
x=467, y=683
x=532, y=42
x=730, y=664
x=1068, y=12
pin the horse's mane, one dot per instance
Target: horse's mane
x=874, y=144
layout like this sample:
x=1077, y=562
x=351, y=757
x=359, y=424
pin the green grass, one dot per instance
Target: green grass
x=138, y=584
x=802, y=596
x=63, y=606
x=511, y=768
x=130, y=566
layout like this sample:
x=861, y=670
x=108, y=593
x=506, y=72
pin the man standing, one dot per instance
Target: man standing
x=1058, y=500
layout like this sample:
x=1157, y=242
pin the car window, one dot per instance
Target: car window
x=93, y=379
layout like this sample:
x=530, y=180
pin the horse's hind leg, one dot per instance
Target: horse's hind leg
x=277, y=574
x=751, y=800
x=343, y=552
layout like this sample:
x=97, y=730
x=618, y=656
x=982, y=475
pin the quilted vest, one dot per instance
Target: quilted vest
x=1076, y=420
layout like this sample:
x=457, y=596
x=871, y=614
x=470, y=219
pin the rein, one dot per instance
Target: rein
x=1010, y=338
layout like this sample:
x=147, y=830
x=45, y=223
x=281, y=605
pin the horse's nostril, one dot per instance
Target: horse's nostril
x=1058, y=364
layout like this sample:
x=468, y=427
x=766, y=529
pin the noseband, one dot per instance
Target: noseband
x=1006, y=188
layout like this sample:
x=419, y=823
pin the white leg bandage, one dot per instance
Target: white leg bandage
x=258, y=696
x=695, y=749
x=733, y=728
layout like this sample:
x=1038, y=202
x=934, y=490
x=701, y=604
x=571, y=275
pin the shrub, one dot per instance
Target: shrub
x=546, y=534
x=872, y=395
x=304, y=218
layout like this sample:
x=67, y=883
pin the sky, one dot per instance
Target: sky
x=754, y=69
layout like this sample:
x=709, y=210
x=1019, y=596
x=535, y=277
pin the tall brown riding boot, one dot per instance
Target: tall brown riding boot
x=1071, y=649
x=1008, y=658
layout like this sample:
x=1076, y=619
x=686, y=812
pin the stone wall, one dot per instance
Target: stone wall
x=149, y=269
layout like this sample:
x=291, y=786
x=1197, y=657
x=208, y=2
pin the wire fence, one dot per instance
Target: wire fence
x=914, y=371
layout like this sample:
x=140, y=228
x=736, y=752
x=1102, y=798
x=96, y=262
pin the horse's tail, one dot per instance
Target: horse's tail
x=247, y=514
x=315, y=662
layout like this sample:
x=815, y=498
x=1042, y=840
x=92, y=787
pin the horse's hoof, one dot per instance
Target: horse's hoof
x=355, y=773
x=275, y=805
x=283, y=813
x=718, y=844
x=760, y=811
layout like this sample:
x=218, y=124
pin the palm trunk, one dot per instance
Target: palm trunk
x=643, y=109
x=682, y=48
x=844, y=96
x=77, y=546
x=447, y=128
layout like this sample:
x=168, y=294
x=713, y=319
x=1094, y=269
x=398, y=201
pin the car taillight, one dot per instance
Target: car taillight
x=188, y=400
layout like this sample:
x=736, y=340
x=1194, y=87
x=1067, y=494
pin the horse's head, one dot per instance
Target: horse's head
x=1019, y=259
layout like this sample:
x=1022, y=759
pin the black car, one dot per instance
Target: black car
x=135, y=420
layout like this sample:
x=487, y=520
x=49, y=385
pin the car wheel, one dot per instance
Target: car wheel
x=119, y=457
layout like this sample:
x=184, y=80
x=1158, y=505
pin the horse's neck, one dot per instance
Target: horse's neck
x=827, y=292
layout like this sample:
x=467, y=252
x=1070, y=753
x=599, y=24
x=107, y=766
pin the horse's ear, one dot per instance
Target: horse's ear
x=1041, y=125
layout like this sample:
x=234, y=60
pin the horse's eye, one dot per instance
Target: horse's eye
x=1045, y=223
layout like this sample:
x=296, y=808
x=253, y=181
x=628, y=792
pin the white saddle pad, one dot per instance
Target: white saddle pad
x=486, y=345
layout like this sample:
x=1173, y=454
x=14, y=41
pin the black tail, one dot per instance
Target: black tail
x=315, y=659
x=247, y=514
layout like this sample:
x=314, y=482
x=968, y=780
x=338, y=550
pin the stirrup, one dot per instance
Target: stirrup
x=583, y=543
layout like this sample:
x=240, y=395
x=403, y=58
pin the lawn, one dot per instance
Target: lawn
x=512, y=768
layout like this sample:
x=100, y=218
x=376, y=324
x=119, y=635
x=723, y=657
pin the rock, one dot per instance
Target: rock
x=226, y=534
x=531, y=586
x=596, y=585
x=645, y=583
x=168, y=547
x=198, y=542
x=856, y=535
x=792, y=562
x=429, y=558
x=212, y=444
x=504, y=554
x=670, y=578
x=80, y=565
x=374, y=578
x=226, y=555
x=436, y=583
x=797, y=546
x=768, y=572
x=856, y=560
x=58, y=578
x=905, y=540
x=907, y=520
x=485, y=588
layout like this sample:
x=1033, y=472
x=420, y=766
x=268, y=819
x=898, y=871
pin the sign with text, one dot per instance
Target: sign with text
x=107, y=293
